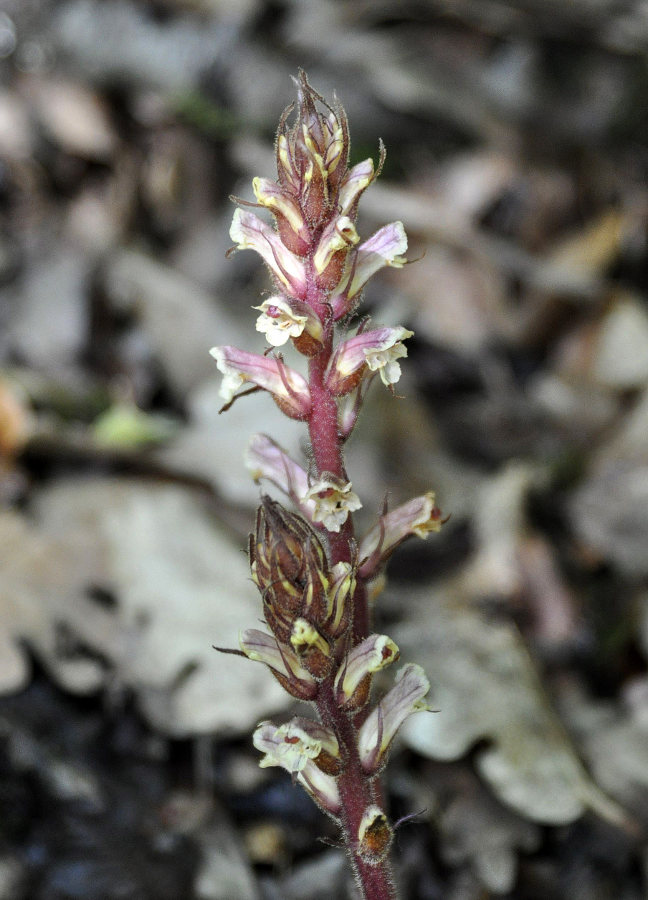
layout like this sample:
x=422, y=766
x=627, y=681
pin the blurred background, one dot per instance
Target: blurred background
x=517, y=154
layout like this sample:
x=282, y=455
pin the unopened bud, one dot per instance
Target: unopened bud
x=311, y=647
x=353, y=680
x=290, y=568
x=375, y=835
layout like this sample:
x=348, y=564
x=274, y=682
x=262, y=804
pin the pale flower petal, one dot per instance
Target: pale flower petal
x=378, y=350
x=333, y=499
x=418, y=516
x=354, y=183
x=287, y=386
x=278, y=322
x=380, y=727
x=384, y=248
x=249, y=232
x=266, y=459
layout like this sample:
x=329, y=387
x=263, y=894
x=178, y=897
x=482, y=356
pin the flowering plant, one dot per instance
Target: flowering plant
x=313, y=575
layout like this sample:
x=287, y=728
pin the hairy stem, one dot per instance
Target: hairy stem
x=357, y=790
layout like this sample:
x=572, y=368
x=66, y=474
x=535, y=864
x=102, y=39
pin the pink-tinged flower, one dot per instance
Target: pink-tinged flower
x=281, y=660
x=367, y=657
x=249, y=232
x=333, y=499
x=295, y=748
x=380, y=727
x=266, y=459
x=353, y=184
x=418, y=516
x=291, y=224
x=288, y=388
x=384, y=248
x=377, y=350
x=339, y=234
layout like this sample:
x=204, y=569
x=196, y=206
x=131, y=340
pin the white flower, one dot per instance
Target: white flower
x=384, y=361
x=278, y=322
x=333, y=499
x=294, y=747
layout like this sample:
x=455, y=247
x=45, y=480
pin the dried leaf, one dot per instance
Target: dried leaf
x=181, y=586
x=486, y=689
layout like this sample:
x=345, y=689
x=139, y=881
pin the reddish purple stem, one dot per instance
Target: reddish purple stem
x=358, y=791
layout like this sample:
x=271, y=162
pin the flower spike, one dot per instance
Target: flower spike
x=315, y=583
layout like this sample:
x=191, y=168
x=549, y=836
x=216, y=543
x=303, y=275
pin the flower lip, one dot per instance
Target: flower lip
x=333, y=499
x=278, y=321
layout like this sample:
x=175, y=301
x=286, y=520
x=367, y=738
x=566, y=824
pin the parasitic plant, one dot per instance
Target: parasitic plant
x=315, y=577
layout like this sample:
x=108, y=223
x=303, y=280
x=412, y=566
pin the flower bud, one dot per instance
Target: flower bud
x=337, y=238
x=291, y=226
x=375, y=835
x=353, y=680
x=312, y=153
x=290, y=568
x=340, y=598
x=312, y=648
